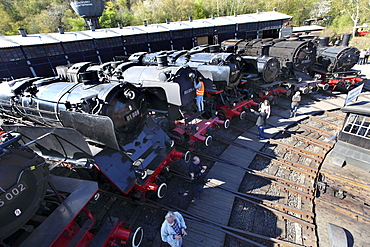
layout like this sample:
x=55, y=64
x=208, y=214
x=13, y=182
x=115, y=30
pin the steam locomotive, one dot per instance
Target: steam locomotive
x=334, y=63
x=39, y=209
x=125, y=145
x=226, y=68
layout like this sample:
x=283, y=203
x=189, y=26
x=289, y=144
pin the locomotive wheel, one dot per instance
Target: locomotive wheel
x=187, y=156
x=208, y=141
x=137, y=237
x=243, y=115
x=227, y=124
x=221, y=114
x=179, y=139
x=288, y=93
x=162, y=190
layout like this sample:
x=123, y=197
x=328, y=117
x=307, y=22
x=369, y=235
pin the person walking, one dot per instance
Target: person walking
x=366, y=58
x=362, y=57
x=197, y=173
x=295, y=103
x=199, y=91
x=173, y=229
x=261, y=122
x=265, y=106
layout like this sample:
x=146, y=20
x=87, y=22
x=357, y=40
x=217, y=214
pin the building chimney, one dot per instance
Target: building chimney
x=120, y=25
x=274, y=9
x=213, y=16
x=22, y=32
x=236, y=13
x=145, y=23
x=190, y=18
x=61, y=30
x=167, y=20
x=258, y=11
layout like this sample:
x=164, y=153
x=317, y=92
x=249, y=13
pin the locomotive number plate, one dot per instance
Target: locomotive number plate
x=12, y=193
x=132, y=115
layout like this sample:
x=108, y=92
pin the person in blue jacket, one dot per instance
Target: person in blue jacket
x=173, y=229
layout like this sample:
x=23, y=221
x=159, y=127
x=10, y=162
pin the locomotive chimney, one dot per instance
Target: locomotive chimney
x=265, y=49
x=168, y=20
x=145, y=23
x=162, y=61
x=190, y=18
x=236, y=13
x=345, y=39
x=120, y=25
x=323, y=41
x=22, y=32
x=61, y=30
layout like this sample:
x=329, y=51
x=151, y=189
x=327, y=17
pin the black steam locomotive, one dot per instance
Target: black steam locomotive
x=334, y=63
x=225, y=68
x=125, y=145
x=40, y=209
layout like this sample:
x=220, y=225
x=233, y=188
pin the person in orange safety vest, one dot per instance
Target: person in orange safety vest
x=199, y=93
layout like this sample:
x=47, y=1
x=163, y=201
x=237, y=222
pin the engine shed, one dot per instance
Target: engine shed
x=38, y=54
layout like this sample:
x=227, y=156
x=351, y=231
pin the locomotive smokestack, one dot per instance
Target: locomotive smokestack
x=162, y=60
x=323, y=41
x=61, y=30
x=345, y=39
x=22, y=32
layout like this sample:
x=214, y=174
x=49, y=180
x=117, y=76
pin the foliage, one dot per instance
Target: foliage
x=38, y=16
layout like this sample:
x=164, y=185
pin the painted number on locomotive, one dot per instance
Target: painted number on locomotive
x=12, y=193
x=132, y=115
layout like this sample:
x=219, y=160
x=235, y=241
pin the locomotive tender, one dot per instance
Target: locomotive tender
x=125, y=145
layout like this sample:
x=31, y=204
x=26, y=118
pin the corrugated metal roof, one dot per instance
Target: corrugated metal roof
x=49, y=38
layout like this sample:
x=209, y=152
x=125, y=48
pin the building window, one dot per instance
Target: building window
x=357, y=125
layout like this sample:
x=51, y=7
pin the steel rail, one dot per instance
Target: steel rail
x=326, y=122
x=307, y=192
x=315, y=129
x=282, y=211
x=302, y=152
x=309, y=171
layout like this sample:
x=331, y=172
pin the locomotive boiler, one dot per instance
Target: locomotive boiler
x=24, y=179
x=264, y=66
x=33, y=203
x=127, y=147
x=334, y=63
x=226, y=68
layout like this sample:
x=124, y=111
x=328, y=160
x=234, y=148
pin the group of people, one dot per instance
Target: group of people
x=173, y=227
x=364, y=56
x=264, y=112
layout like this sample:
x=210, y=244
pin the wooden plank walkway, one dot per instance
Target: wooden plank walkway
x=215, y=204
